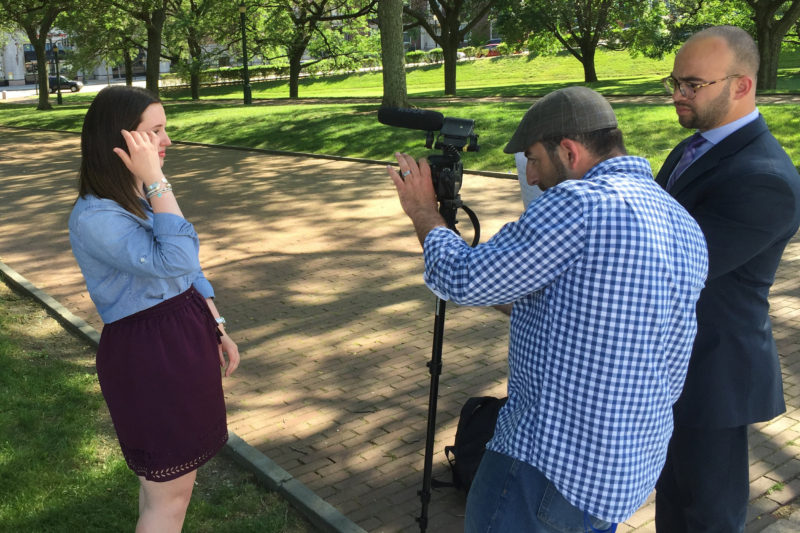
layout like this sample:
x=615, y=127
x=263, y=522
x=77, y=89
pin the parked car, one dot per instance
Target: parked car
x=64, y=83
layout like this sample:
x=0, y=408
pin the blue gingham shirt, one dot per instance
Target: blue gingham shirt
x=604, y=273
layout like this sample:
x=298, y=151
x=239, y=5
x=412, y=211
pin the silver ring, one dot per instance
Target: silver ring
x=406, y=173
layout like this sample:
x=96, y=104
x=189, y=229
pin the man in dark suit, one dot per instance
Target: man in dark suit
x=743, y=190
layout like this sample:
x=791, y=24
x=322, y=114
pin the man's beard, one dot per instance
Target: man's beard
x=710, y=116
x=559, y=172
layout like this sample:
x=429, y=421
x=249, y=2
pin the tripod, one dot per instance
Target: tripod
x=447, y=208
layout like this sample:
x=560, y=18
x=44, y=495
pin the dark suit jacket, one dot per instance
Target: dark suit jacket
x=745, y=195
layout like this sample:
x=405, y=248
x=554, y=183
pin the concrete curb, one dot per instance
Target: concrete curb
x=316, y=510
x=73, y=323
x=319, y=512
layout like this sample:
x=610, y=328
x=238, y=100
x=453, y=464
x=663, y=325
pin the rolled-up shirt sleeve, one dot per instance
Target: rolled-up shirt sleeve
x=543, y=243
x=203, y=286
x=171, y=250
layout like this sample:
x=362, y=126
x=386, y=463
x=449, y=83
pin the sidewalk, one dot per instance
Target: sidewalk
x=318, y=273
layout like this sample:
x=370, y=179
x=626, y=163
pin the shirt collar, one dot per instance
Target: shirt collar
x=716, y=135
x=628, y=164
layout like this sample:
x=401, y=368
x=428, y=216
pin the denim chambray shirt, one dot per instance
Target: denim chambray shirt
x=131, y=264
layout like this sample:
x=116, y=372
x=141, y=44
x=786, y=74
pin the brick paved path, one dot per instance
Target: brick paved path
x=319, y=276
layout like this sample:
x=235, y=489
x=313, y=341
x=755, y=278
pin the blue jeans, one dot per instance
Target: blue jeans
x=510, y=496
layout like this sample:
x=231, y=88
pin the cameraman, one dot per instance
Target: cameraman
x=603, y=271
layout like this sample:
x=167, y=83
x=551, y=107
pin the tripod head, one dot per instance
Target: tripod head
x=455, y=135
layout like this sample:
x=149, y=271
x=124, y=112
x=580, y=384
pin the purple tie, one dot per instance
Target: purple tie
x=687, y=158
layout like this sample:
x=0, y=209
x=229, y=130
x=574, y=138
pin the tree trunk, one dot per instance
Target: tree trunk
x=390, y=22
x=128, y=62
x=195, y=65
x=38, y=40
x=769, y=50
x=37, y=35
x=450, y=52
x=450, y=63
x=769, y=36
x=42, y=69
x=194, y=82
x=154, y=30
x=295, y=57
x=589, y=71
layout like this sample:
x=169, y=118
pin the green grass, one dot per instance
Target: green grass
x=495, y=92
x=520, y=75
x=60, y=463
x=777, y=487
x=651, y=130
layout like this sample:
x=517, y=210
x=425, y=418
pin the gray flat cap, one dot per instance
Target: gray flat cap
x=563, y=112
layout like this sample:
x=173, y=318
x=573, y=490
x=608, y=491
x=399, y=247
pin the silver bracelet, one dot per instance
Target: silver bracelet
x=158, y=192
x=156, y=184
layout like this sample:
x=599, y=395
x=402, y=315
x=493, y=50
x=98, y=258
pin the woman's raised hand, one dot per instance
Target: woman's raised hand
x=142, y=157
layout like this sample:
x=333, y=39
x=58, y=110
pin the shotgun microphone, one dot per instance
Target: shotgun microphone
x=415, y=119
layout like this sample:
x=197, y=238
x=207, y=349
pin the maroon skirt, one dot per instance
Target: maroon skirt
x=160, y=375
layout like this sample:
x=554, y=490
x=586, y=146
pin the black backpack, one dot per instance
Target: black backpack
x=475, y=428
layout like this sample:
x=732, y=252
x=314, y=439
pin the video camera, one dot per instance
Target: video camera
x=455, y=135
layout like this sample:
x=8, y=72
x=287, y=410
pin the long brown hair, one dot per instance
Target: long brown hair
x=103, y=173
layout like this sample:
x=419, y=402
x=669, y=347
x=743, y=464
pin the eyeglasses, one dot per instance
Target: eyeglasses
x=689, y=89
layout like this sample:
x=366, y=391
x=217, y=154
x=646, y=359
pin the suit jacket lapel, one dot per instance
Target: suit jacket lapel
x=730, y=145
x=671, y=162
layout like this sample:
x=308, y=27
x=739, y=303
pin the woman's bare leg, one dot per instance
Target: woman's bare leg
x=162, y=505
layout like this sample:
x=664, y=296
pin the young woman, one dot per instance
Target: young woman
x=163, y=340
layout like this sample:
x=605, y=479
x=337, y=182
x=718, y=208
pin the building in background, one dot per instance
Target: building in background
x=12, y=58
x=18, y=64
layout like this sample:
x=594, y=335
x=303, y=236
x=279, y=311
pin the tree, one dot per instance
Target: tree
x=296, y=25
x=36, y=19
x=769, y=21
x=152, y=13
x=390, y=22
x=103, y=33
x=773, y=20
x=792, y=38
x=6, y=27
x=454, y=20
x=194, y=26
x=580, y=26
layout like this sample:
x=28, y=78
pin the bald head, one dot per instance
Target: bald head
x=715, y=74
x=743, y=50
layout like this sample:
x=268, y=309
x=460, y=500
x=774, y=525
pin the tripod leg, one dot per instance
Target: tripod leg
x=448, y=211
x=435, y=368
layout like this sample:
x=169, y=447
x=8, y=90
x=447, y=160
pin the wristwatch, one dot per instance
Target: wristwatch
x=220, y=320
